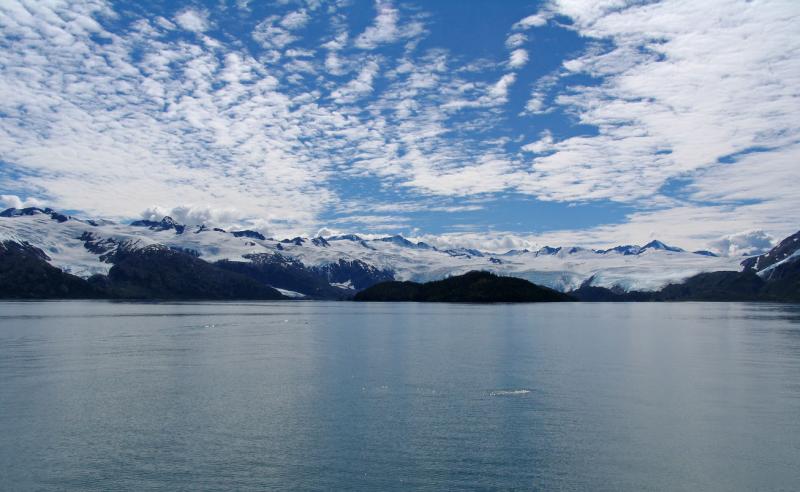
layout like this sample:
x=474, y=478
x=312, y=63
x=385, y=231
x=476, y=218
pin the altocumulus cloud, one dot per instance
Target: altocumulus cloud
x=193, y=20
x=172, y=110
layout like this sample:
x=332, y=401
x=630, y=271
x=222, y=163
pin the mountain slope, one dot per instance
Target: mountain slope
x=162, y=273
x=284, y=273
x=26, y=274
x=150, y=273
x=783, y=283
x=782, y=251
x=715, y=286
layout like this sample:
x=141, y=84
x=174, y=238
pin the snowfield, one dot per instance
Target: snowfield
x=82, y=247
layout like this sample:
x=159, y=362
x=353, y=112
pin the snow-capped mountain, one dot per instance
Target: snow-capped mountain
x=346, y=262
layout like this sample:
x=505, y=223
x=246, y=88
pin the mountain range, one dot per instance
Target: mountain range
x=81, y=257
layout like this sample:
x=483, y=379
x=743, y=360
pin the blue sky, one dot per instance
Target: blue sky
x=482, y=123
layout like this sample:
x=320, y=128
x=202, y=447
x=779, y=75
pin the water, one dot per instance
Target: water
x=332, y=396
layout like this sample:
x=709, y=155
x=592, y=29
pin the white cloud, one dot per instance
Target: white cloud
x=516, y=40
x=197, y=215
x=359, y=86
x=13, y=201
x=165, y=23
x=681, y=89
x=387, y=28
x=496, y=241
x=488, y=174
x=192, y=20
x=500, y=89
x=275, y=32
x=535, y=20
x=537, y=104
x=518, y=58
x=176, y=122
x=744, y=243
x=769, y=176
x=113, y=127
x=541, y=146
x=295, y=20
x=337, y=43
x=334, y=63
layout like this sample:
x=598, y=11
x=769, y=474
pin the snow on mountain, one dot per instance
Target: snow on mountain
x=627, y=249
x=61, y=240
x=84, y=248
x=767, y=272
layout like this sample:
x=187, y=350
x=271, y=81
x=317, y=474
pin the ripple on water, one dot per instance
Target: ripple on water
x=509, y=392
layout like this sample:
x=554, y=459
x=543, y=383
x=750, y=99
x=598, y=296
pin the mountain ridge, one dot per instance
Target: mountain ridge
x=338, y=266
x=475, y=287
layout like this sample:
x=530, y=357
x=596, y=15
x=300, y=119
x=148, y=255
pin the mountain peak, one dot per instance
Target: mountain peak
x=656, y=244
x=398, y=240
x=19, y=212
x=547, y=250
x=515, y=252
x=626, y=249
x=250, y=234
x=297, y=241
x=165, y=224
x=344, y=237
x=168, y=221
x=16, y=212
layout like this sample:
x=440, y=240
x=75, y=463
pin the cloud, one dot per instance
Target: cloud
x=499, y=90
x=165, y=23
x=276, y=32
x=496, y=241
x=141, y=119
x=359, y=86
x=327, y=232
x=664, y=96
x=744, y=243
x=537, y=104
x=518, y=58
x=768, y=176
x=535, y=20
x=386, y=30
x=516, y=40
x=334, y=63
x=673, y=100
x=295, y=20
x=193, y=20
x=541, y=146
x=13, y=201
x=488, y=175
x=196, y=215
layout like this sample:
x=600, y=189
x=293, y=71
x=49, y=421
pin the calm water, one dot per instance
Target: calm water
x=326, y=396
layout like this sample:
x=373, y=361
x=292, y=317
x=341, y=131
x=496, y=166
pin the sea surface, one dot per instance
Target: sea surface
x=349, y=396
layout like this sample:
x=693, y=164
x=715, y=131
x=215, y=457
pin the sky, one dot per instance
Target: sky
x=481, y=123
